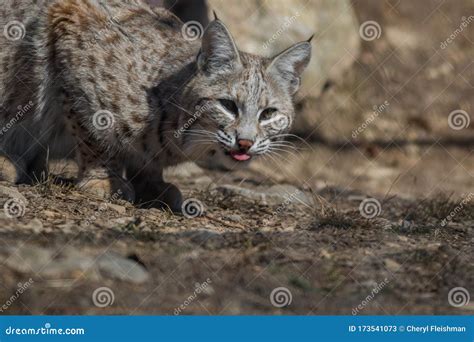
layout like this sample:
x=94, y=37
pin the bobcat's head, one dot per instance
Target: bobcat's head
x=244, y=102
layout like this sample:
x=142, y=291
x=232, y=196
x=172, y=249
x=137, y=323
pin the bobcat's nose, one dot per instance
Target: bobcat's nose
x=245, y=144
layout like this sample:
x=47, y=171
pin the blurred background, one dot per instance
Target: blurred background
x=383, y=139
x=376, y=100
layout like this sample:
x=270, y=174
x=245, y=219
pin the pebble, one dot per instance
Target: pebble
x=12, y=193
x=202, y=236
x=392, y=265
x=73, y=263
x=234, y=218
x=50, y=214
x=118, y=208
x=116, y=266
x=70, y=263
x=27, y=258
x=274, y=195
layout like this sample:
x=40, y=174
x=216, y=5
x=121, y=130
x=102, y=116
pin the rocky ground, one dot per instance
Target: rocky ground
x=330, y=248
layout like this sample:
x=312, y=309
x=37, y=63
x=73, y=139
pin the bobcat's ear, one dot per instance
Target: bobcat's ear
x=288, y=66
x=218, y=50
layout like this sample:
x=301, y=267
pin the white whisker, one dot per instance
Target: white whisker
x=293, y=136
x=276, y=150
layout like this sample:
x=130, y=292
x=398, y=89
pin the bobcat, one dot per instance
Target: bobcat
x=135, y=93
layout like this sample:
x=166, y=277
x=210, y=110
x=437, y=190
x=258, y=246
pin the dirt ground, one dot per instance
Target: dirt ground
x=378, y=224
x=318, y=245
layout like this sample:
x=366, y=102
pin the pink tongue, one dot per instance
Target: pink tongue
x=240, y=156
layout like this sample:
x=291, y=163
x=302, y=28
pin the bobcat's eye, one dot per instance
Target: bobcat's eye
x=267, y=113
x=230, y=106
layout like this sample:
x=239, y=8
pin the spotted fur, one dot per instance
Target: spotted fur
x=134, y=94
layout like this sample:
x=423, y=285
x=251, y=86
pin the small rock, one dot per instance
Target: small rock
x=123, y=220
x=234, y=218
x=50, y=214
x=325, y=254
x=28, y=258
x=288, y=193
x=118, y=267
x=281, y=194
x=70, y=263
x=118, y=208
x=204, y=180
x=12, y=192
x=203, y=235
x=402, y=238
x=392, y=265
x=233, y=190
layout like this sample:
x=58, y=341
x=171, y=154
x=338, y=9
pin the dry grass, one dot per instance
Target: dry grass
x=326, y=214
x=433, y=211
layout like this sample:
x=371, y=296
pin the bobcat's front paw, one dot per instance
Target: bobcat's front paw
x=159, y=195
x=112, y=188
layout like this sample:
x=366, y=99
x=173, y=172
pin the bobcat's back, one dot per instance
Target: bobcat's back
x=109, y=57
x=105, y=55
x=59, y=57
